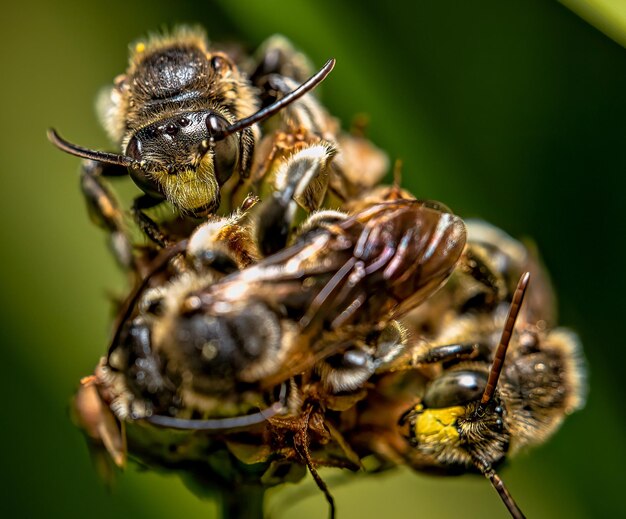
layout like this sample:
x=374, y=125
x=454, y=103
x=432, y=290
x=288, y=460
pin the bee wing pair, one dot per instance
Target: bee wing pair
x=349, y=277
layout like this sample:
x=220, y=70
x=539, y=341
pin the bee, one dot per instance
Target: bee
x=198, y=350
x=477, y=405
x=251, y=351
x=186, y=119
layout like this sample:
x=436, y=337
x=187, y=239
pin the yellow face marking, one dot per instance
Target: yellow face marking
x=190, y=189
x=140, y=47
x=437, y=425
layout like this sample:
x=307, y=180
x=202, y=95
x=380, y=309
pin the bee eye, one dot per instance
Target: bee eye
x=455, y=388
x=218, y=63
x=133, y=150
x=183, y=121
x=171, y=129
x=226, y=156
x=215, y=124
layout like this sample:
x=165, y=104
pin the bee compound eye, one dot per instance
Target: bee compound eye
x=215, y=125
x=171, y=129
x=226, y=156
x=133, y=150
x=455, y=388
x=219, y=63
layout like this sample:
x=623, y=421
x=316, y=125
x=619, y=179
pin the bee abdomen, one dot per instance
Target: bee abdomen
x=223, y=349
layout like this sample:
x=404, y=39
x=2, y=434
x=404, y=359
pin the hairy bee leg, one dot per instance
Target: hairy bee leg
x=147, y=225
x=349, y=370
x=301, y=445
x=320, y=219
x=302, y=180
x=103, y=208
x=306, y=113
x=280, y=69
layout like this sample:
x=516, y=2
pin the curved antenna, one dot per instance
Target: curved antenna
x=217, y=133
x=217, y=424
x=159, y=263
x=270, y=110
x=85, y=153
x=497, y=483
x=507, y=332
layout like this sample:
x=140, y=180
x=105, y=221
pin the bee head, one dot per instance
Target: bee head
x=460, y=422
x=185, y=159
x=448, y=426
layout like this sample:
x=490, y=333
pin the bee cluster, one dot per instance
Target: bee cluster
x=290, y=312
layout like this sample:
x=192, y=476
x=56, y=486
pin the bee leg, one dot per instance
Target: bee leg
x=478, y=268
x=147, y=225
x=306, y=113
x=302, y=180
x=319, y=220
x=103, y=208
x=349, y=370
x=301, y=445
x=446, y=353
x=280, y=69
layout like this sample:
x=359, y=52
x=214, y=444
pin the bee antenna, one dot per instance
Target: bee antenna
x=160, y=262
x=218, y=424
x=497, y=483
x=507, y=332
x=85, y=153
x=268, y=111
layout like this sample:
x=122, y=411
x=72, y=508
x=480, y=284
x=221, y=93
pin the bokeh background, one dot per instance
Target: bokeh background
x=512, y=111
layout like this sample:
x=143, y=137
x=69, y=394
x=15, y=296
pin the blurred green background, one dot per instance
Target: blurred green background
x=512, y=111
